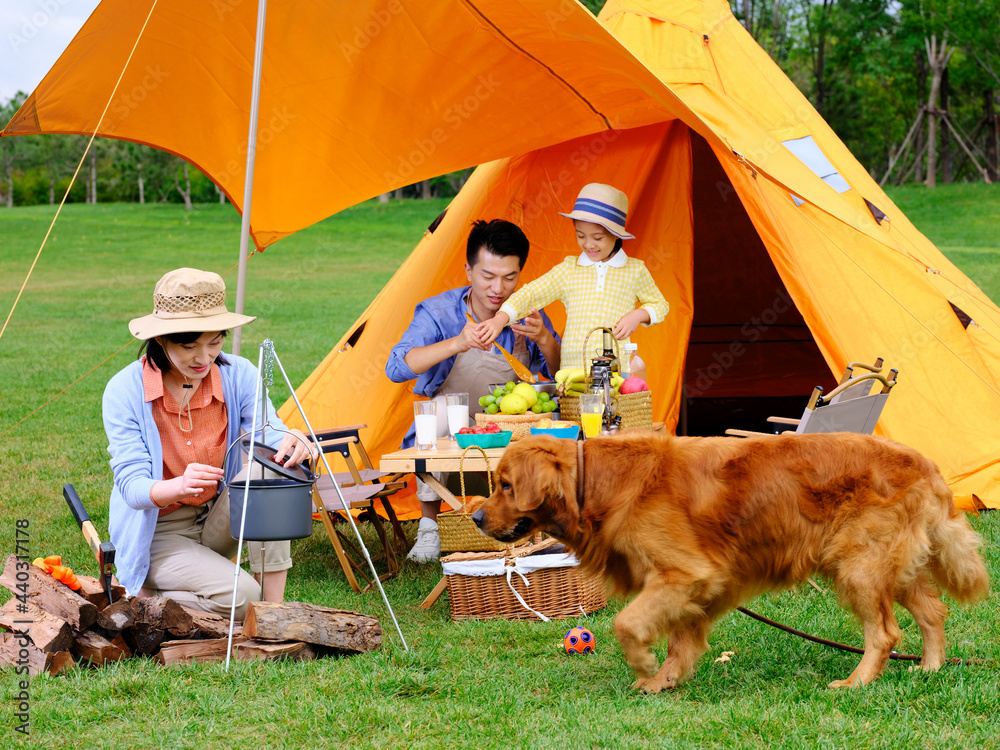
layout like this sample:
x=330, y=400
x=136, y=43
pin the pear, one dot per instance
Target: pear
x=525, y=390
x=513, y=403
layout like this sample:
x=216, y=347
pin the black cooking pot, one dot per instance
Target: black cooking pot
x=279, y=503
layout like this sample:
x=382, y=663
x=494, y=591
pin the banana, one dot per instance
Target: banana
x=569, y=373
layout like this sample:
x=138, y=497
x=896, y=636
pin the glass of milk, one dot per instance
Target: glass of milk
x=458, y=412
x=425, y=420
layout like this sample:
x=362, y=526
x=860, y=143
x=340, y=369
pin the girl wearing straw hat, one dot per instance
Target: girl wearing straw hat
x=599, y=287
x=170, y=417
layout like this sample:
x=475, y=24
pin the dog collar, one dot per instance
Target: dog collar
x=579, y=473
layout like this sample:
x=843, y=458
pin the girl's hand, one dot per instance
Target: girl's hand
x=296, y=447
x=488, y=330
x=468, y=338
x=629, y=323
x=532, y=328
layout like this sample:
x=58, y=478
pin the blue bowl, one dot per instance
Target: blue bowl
x=484, y=440
x=570, y=433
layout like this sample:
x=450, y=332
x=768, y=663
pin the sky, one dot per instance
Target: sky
x=33, y=33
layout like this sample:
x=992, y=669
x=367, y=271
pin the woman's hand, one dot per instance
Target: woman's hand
x=629, y=323
x=297, y=447
x=195, y=486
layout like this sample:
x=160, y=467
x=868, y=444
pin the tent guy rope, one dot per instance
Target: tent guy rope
x=77, y=172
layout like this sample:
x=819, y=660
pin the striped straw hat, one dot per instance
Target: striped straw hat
x=604, y=205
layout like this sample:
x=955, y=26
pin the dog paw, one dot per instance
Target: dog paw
x=653, y=685
x=848, y=683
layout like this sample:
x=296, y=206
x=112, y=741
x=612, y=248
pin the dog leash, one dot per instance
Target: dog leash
x=579, y=473
x=842, y=646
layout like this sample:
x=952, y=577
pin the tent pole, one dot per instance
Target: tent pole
x=241, y=275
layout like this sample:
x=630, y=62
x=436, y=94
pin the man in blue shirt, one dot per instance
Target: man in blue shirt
x=442, y=353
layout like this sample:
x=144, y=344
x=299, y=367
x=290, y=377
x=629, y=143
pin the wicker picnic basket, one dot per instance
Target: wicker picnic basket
x=455, y=527
x=635, y=409
x=519, y=425
x=489, y=587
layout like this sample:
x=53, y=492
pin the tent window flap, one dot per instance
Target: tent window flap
x=809, y=153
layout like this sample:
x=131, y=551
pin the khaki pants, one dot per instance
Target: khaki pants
x=190, y=559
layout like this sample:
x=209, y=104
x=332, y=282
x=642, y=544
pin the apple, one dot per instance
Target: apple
x=633, y=384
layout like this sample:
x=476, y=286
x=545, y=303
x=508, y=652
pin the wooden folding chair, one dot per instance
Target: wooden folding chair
x=853, y=405
x=362, y=489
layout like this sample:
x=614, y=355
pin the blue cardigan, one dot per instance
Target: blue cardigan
x=137, y=456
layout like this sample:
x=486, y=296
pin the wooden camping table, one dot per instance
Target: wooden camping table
x=446, y=456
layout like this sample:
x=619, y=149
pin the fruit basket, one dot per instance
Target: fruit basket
x=526, y=398
x=483, y=439
x=636, y=409
x=519, y=425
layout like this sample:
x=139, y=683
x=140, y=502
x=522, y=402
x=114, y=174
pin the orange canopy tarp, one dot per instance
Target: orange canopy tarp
x=357, y=98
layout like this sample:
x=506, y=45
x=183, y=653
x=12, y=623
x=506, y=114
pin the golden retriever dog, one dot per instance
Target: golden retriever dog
x=696, y=526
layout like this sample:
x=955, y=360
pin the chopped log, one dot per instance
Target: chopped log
x=297, y=621
x=95, y=649
x=201, y=651
x=19, y=652
x=117, y=616
x=308, y=653
x=143, y=639
x=51, y=595
x=211, y=625
x=59, y=662
x=163, y=613
x=120, y=644
x=47, y=632
x=92, y=589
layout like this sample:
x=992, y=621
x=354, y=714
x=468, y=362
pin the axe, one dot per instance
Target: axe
x=104, y=551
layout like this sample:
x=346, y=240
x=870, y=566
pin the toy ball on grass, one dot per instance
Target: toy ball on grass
x=579, y=641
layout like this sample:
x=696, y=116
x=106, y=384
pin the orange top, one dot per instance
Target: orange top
x=198, y=435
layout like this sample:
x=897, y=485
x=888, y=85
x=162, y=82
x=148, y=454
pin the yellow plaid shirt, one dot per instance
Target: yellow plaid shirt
x=594, y=294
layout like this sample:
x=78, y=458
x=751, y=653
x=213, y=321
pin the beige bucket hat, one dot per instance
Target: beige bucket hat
x=187, y=300
x=604, y=205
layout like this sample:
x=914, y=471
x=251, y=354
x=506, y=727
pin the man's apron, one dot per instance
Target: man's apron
x=473, y=373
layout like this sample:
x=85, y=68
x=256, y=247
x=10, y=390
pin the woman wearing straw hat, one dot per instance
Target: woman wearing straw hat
x=599, y=287
x=170, y=417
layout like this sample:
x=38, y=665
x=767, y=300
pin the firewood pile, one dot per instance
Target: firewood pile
x=52, y=628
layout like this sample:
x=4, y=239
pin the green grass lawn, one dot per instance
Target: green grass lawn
x=468, y=684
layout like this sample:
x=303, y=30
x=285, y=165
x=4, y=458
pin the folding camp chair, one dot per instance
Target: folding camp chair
x=362, y=489
x=850, y=407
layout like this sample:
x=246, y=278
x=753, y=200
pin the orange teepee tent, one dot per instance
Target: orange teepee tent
x=781, y=258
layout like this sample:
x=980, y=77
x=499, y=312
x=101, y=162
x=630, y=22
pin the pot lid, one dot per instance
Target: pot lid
x=264, y=455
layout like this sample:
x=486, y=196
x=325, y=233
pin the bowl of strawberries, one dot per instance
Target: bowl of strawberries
x=485, y=436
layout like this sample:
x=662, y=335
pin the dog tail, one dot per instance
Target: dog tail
x=956, y=564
